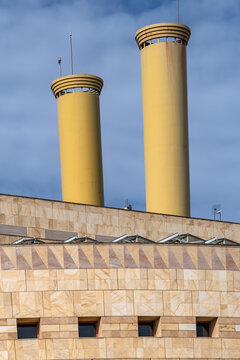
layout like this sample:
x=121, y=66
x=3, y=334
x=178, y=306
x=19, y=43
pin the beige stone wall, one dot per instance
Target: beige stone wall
x=116, y=284
x=119, y=284
x=54, y=219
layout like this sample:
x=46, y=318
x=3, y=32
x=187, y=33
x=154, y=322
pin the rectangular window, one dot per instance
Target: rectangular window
x=146, y=328
x=88, y=327
x=206, y=327
x=27, y=328
x=149, y=326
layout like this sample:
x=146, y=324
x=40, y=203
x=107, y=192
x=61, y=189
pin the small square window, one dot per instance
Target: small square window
x=149, y=326
x=206, y=327
x=146, y=328
x=87, y=329
x=88, y=326
x=27, y=329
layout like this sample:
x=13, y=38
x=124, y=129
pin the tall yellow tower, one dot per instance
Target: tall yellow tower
x=165, y=117
x=80, y=138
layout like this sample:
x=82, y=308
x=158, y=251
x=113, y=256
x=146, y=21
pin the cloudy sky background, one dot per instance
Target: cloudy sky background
x=34, y=33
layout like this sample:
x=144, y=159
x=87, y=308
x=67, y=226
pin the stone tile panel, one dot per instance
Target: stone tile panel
x=72, y=279
x=119, y=256
x=88, y=303
x=119, y=303
x=206, y=303
x=148, y=303
x=7, y=350
x=162, y=279
x=230, y=348
x=89, y=348
x=12, y=280
x=59, y=328
x=132, y=279
x=102, y=279
x=33, y=349
x=177, y=303
x=207, y=347
x=179, y=348
x=27, y=304
x=41, y=280
x=150, y=347
x=122, y=348
x=58, y=303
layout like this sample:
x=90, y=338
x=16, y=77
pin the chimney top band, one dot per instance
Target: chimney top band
x=155, y=31
x=77, y=81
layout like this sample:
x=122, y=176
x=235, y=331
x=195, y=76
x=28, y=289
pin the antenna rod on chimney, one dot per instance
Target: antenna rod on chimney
x=178, y=11
x=60, y=66
x=71, y=51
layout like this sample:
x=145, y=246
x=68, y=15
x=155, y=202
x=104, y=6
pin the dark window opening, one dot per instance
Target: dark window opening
x=206, y=327
x=146, y=328
x=203, y=329
x=27, y=330
x=87, y=329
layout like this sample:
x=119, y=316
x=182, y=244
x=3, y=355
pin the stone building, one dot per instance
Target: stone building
x=72, y=287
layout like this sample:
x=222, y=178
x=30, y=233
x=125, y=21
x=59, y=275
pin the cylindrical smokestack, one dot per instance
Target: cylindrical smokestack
x=165, y=117
x=80, y=138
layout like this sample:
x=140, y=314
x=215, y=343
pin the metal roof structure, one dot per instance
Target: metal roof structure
x=221, y=241
x=181, y=239
x=133, y=239
x=28, y=241
x=175, y=239
x=80, y=240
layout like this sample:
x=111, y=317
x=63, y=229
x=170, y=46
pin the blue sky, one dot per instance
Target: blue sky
x=34, y=33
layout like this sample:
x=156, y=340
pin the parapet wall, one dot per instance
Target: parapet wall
x=60, y=220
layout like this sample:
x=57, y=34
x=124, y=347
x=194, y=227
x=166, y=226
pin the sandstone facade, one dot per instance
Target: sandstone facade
x=116, y=285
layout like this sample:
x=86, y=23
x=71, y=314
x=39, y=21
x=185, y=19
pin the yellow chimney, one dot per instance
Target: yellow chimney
x=165, y=117
x=80, y=138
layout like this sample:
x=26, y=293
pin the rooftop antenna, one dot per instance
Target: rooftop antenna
x=219, y=212
x=216, y=210
x=127, y=206
x=71, y=51
x=178, y=11
x=60, y=66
